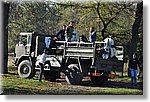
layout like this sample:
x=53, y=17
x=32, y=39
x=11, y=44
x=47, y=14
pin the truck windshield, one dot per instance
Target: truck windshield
x=24, y=39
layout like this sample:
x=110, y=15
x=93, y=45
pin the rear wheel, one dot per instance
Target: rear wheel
x=26, y=70
x=73, y=74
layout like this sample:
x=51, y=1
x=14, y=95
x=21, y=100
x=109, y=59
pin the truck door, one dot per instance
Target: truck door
x=23, y=46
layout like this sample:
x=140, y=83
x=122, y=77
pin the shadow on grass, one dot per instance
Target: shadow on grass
x=114, y=84
x=27, y=91
x=30, y=91
x=15, y=91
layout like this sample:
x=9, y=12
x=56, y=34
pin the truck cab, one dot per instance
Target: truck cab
x=23, y=46
x=27, y=51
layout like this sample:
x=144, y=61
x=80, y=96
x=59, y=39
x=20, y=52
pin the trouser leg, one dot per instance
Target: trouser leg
x=135, y=74
x=132, y=80
x=41, y=71
x=132, y=77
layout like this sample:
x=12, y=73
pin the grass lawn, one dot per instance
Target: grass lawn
x=13, y=85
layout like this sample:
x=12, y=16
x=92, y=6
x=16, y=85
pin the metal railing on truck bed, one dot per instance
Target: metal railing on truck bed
x=91, y=51
x=79, y=49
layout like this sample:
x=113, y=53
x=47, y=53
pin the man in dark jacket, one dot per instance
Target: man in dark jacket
x=69, y=30
x=61, y=34
x=133, y=65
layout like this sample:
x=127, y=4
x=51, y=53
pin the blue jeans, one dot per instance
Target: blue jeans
x=134, y=73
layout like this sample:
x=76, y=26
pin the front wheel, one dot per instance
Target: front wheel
x=73, y=74
x=26, y=70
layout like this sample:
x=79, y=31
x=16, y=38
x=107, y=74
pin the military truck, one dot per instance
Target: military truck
x=75, y=59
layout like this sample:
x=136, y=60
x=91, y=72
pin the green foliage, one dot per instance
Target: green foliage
x=47, y=18
x=29, y=17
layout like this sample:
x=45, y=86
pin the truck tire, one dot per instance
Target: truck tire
x=73, y=74
x=25, y=69
x=99, y=80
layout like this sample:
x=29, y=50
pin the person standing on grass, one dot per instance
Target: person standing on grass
x=42, y=63
x=133, y=65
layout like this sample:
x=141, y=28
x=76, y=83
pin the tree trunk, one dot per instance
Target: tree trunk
x=135, y=31
x=5, y=36
x=135, y=28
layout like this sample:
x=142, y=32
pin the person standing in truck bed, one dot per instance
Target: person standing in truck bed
x=109, y=46
x=61, y=34
x=92, y=35
x=70, y=30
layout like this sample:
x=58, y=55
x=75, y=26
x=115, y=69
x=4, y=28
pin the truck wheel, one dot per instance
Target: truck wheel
x=25, y=69
x=99, y=80
x=73, y=74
